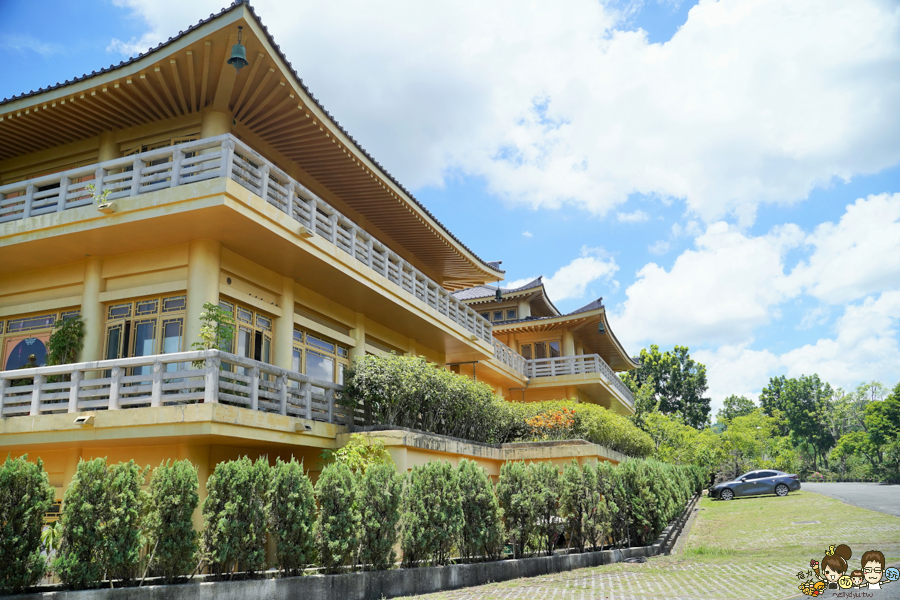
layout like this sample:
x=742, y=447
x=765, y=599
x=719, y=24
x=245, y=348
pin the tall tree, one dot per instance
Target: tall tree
x=735, y=406
x=679, y=383
x=804, y=402
x=883, y=425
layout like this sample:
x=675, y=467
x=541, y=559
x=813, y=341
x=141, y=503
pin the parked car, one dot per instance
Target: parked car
x=756, y=483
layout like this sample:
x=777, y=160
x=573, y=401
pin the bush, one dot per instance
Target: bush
x=235, y=534
x=378, y=494
x=543, y=491
x=360, y=452
x=122, y=531
x=337, y=528
x=432, y=516
x=481, y=534
x=291, y=510
x=611, y=486
x=576, y=503
x=596, y=522
x=80, y=562
x=25, y=495
x=513, y=496
x=173, y=499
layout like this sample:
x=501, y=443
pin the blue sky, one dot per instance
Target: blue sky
x=726, y=175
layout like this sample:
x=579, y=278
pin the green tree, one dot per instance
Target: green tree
x=172, y=499
x=576, y=503
x=679, y=383
x=125, y=508
x=543, y=492
x=234, y=509
x=360, y=452
x=735, y=406
x=645, y=401
x=25, y=495
x=513, y=496
x=432, y=516
x=337, y=526
x=481, y=533
x=379, y=493
x=882, y=422
x=80, y=562
x=66, y=341
x=291, y=511
x=216, y=329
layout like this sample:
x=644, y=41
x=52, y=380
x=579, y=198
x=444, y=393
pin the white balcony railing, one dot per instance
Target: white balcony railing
x=578, y=365
x=168, y=380
x=510, y=358
x=225, y=156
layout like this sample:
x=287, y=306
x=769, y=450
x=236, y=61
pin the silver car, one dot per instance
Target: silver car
x=756, y=483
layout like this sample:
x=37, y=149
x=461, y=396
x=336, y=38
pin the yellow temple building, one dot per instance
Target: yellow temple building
x=136, y=194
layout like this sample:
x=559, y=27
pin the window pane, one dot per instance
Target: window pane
x=266, y=349
x=264, y=322
x=144, y=340
x=526, y=351
x=244, y=343
x=244, y=315
x=540, y=349
x=319, y=366
x=321, y=344
x=171, y=341
x=341, y=368
x=295, y=361
x=511, y=314
x=30, y=323
x=120, y=311
x=113, y=342
x=173, y=304
x=298, y=337
x=146, y=307
x=554, y=349
x=487, y=316
x=498, y=315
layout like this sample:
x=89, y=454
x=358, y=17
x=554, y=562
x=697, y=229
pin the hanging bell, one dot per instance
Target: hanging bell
x=499, y=295
x=238, y=53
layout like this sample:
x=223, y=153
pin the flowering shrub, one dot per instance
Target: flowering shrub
x=553, y=424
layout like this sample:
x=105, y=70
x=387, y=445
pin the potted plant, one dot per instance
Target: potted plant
x=103, y=205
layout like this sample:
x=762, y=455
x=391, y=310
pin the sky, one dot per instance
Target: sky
x=725, y=174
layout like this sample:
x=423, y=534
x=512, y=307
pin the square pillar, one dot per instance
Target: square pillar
x=204, y=264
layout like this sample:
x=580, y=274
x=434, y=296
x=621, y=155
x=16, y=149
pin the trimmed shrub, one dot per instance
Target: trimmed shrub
x=291, y=510
x=173, y=499
x=359, y=453
x=481, y=534
x=611, y=487
x=575, y=503
x=379, y=491
x=337, y=528
x=80, y=562
x=235, y=534
x=25, y=495
x=596, y=523
x=122, y=530
x=543, y=491
x=432, y=516
x=513, y=496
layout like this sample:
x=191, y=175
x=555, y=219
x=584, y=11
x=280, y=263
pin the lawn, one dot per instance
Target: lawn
x=745, y=548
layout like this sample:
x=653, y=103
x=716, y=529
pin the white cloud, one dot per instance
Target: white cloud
x=527, y=234
x=736, y=369
x=21, y=42
x=637, y=216
x=857, y=256
x=572, y=280
x=720, y=291
x=751, y=101
x=659, y=247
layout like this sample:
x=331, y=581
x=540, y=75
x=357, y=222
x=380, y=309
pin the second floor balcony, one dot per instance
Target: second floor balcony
x=583, y=367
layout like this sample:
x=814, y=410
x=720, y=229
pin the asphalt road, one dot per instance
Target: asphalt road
x=874, y=496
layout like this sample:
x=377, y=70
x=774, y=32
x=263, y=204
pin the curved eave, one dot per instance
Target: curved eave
x=269, y=100
x=537, y=292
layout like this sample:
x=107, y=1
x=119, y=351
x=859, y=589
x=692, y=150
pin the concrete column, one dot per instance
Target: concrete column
x=358, y=334
x=92, y=310
x=284, y=327
x=568, y=343
x=571, y=393
x=412, y=350
x=108, y=147
x=524, y=309
x=204, y=264
x=213, y=123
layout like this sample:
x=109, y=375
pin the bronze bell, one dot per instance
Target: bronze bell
x=238, y=53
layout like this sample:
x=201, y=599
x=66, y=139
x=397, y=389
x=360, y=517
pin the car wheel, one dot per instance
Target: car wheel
x=781, y=490
x=726, y=494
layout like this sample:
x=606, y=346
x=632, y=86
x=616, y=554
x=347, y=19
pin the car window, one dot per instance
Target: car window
x=751, y=475
x=768, y=474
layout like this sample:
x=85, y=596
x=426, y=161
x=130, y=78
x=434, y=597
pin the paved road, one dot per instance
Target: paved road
x=874, y=496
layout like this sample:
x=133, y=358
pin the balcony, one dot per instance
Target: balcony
x=508, y=357
x=226, y=157
x=580, y=365
x=174, y=379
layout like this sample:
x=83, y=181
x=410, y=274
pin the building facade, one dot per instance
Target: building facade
x=141, y=193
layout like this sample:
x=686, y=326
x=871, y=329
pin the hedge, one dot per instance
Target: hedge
x=405, y=391
x=441, y=512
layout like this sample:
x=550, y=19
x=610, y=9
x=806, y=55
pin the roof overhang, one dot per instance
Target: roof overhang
x=536, y=296
x=273, y=110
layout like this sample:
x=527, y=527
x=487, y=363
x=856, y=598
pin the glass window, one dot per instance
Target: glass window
x=171, y=341
x=498, y=315
x=244, y=315
x=511, y=314
x=264, y=322
x=540, y=349
x=321, y=344
x=119, y=311
x=174, y=304
x=144, y=342
x=487, y=316
x=319, y=366
x=526, y=351
x=114, y=341
x=554, y=349
x=30, y=323
x=146, y=307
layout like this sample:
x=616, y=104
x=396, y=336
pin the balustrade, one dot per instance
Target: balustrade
x=578, y=365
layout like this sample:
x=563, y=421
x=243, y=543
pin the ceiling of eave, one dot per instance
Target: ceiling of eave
x=262, y=99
